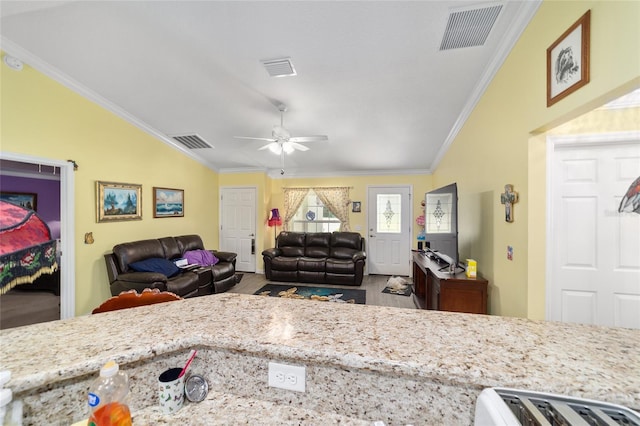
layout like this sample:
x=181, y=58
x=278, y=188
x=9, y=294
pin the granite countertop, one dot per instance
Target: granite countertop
x=449, y=348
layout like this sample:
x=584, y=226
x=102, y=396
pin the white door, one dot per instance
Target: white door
x=594, y=275
x=389, y=224
x=238, y=226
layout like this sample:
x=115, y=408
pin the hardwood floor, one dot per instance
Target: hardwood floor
x=18, y=308
x=373, y=284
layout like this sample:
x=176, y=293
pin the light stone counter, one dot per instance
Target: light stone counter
x=362, y=362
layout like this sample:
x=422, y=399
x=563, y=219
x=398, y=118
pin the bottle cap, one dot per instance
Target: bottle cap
x=110, y=369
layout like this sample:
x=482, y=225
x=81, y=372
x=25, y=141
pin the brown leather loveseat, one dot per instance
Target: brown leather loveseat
x=322, y=257
x=185, y=283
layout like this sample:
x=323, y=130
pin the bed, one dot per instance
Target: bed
x=27, y=250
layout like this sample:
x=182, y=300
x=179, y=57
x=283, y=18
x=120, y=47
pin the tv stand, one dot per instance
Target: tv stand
x=437, y=290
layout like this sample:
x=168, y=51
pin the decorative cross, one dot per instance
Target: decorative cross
x=508, y=198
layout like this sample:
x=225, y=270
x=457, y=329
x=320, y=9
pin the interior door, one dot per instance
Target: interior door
x=595, y=250
x=389, y=224
x=238, y=226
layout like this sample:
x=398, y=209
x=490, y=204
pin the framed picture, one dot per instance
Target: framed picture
x=356, y=207
x=118, y=201
x=568, y=61
x=28, y=200
x=168, y=202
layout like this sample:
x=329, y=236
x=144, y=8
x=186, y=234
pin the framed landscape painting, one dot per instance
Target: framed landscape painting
x=28, y=200
x=168, y=202
x=118, y=201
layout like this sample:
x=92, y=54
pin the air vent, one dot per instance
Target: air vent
x=192, y=141
x=279, y=67
x=469, y=27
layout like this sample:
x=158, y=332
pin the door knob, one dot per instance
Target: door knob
x=252, y=235
x=372, y=236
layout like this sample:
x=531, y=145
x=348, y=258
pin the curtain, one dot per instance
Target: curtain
x=293, y=197
x=337, y=201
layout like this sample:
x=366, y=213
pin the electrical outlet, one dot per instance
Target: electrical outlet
x=288, y=377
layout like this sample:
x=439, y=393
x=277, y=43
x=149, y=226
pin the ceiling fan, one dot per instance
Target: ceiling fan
x=281, y=142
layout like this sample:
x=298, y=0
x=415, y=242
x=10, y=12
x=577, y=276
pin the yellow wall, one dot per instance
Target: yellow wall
x=271, y=192
x=42, y=118
x=494, y=148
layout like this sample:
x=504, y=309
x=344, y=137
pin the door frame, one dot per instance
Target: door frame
x=554, y=142
x=258, y=230
x=67, y=228
x=369, y=225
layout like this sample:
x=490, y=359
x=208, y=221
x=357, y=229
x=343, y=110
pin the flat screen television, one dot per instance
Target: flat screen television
x=441, y=225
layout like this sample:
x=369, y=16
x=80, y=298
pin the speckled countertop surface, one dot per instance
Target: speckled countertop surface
x=448, y=348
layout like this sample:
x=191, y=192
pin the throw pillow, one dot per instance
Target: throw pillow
x=156, y=264
x=200, y=257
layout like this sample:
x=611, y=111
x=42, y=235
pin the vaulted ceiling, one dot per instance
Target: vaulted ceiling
x=371, y=75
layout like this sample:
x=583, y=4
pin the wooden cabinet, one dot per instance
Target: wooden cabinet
x=443, y=291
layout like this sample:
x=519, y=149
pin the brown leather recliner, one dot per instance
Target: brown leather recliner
x=321, y=257
x=187, y=283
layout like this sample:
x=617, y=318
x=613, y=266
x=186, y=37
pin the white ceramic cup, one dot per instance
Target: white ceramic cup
x=171, y=390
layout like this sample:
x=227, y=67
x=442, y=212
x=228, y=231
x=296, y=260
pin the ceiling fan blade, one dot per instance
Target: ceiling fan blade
x=315, y=138
x=298, y=146
x=255, y=139
x=266, y=146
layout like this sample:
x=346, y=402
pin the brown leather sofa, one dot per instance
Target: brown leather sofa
x=322, y=257
x=187, y=283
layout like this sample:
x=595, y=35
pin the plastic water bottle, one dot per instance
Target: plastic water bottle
x=107, y=398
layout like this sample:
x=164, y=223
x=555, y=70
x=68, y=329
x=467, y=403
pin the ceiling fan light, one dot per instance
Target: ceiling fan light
x=275, y=148
x=288, y=148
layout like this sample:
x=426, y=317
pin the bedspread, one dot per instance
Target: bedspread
x=26, y=248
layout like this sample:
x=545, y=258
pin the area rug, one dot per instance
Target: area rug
x=325, y=294
x=399, y=286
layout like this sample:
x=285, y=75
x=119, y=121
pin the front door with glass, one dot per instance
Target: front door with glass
x=389, y=224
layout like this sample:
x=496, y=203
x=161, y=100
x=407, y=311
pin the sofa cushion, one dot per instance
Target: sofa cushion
x=345, y=244
x=283, y=263
x=189, y=242
x=291, y=243
x=339, y=266
x=317, y=244
x=156, y=264
x=127, y=253
x=170, y=247
x=200, y=257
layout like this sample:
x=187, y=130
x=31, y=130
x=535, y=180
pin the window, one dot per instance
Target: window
x=314, y=216
x=389, y=213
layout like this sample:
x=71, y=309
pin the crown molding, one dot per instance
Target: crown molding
x=54, y=73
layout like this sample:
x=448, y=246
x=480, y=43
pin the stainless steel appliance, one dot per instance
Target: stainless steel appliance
x=514, y=407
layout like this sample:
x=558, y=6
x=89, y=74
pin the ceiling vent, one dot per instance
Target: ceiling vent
x=469, y=27
x=279, y=67
x=192, y=141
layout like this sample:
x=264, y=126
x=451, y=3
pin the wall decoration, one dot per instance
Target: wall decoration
x=118, y=201
x=28, y=200
x=631, y=200
x=568, y=61
x=168, y=202
x=508, y=198
x=356, y=207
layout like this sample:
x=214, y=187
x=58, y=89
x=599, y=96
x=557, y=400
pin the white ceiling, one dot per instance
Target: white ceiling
x=370, y=73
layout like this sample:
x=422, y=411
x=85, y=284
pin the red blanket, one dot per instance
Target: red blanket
x=26, y=248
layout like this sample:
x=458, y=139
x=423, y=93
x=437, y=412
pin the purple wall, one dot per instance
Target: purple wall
x=48, y=207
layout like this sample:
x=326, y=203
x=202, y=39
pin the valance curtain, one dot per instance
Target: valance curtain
x=293, y=198
x=337, y=201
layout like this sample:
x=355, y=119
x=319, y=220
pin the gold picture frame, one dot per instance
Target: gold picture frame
x=168, y=202
x=118, y=201
x=568, y=60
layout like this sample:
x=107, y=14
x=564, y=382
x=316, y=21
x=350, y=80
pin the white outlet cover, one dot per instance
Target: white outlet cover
x=294, y=377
